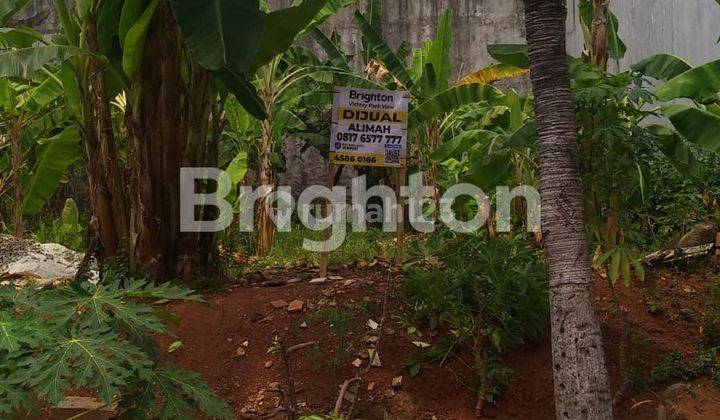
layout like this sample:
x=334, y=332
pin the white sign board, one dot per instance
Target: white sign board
x=369, y=127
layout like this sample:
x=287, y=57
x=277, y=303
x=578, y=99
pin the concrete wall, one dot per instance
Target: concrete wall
x=476, y=24
x=686, y=28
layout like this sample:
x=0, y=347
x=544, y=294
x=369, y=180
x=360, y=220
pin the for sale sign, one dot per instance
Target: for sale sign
x=369, y=127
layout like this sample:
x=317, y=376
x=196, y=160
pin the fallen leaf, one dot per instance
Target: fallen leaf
x=174, y=346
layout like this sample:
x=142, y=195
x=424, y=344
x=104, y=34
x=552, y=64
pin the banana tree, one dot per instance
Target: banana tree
x=166, y=57
x=30, y=108
x=429, y=82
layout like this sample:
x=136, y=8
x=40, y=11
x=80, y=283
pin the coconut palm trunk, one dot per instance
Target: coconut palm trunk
x=581, y=385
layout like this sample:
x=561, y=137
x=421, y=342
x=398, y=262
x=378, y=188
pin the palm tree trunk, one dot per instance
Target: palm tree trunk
x=582, y=390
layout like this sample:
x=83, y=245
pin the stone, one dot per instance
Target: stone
x=357, y=363
x=334, y=278
x=397, y=382
x=304, y=325
x=273, y=386
x=295, y=306
x=372, y=324
x=319, y=280
x=28, y=262
x=240, y=352
x=277, y=304
x=268, y=364
x=371, y=386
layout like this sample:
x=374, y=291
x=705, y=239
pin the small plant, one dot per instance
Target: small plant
x=66, y=230
x=340, y=324
x=498, y=301
x=95, y=336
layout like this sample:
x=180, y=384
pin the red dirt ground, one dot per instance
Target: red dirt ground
x=242, y=317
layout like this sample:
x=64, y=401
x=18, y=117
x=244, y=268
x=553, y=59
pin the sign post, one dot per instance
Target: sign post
x=369, y=128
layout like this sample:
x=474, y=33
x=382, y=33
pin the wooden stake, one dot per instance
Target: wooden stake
x=325, y=255
x=400, y=218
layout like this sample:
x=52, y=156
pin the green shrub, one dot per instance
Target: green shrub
x=66, y=230
x=85, y=336
x=491, y=294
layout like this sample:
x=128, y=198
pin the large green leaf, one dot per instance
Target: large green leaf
x=19, y=37
x=374, y=14
x=58, y=153
x=244, y=91
x=129, y=14
x=221, y=33
x=24, y=61
x=662, y=66
x=677, y=152
x=461, y=143
x=701, y=83
x=134, y=44
x=513, y=54
x=384, y=54
x=525, y=136
x=335, y=54
x=439, y=52
x=451, y=99
x=330, y=8
x=698, y=126
x=282, y=27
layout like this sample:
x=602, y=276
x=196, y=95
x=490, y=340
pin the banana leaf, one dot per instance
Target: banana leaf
x=439, y=53
x=513, y=54
x=700, y=83
x=24, y=61
x=451, y=99
x=384, y=53
x=662, y=66
x=697, y=126
x=56, y=156
x=492, y=74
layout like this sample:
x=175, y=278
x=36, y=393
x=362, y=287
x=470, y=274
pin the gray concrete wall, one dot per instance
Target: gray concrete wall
x=686, y=28
x=476, y=24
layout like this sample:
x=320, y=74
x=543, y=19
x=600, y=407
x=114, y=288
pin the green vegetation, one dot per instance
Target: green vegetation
x=96, y=337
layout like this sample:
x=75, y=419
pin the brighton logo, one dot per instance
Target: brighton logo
x=356, y=213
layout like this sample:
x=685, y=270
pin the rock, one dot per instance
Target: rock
x=371, y=386
x=268, y=364
x=29, y=262
x=357, y=363
x=240, y=352
x=273, y=386
x=277, y=304
x=375, y=358
x=319, y=280
x=397, y=382
x=304, y=325
x=74, y=406
x=334, y=278
x=295, y=306
x=700, y=234
x=372, y=324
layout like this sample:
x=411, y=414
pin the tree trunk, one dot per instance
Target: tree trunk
x=15, y=135
x=266, y=227
x=582, y=389
x=156, y=127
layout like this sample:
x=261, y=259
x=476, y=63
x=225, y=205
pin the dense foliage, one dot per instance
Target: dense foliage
x=96, y=337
